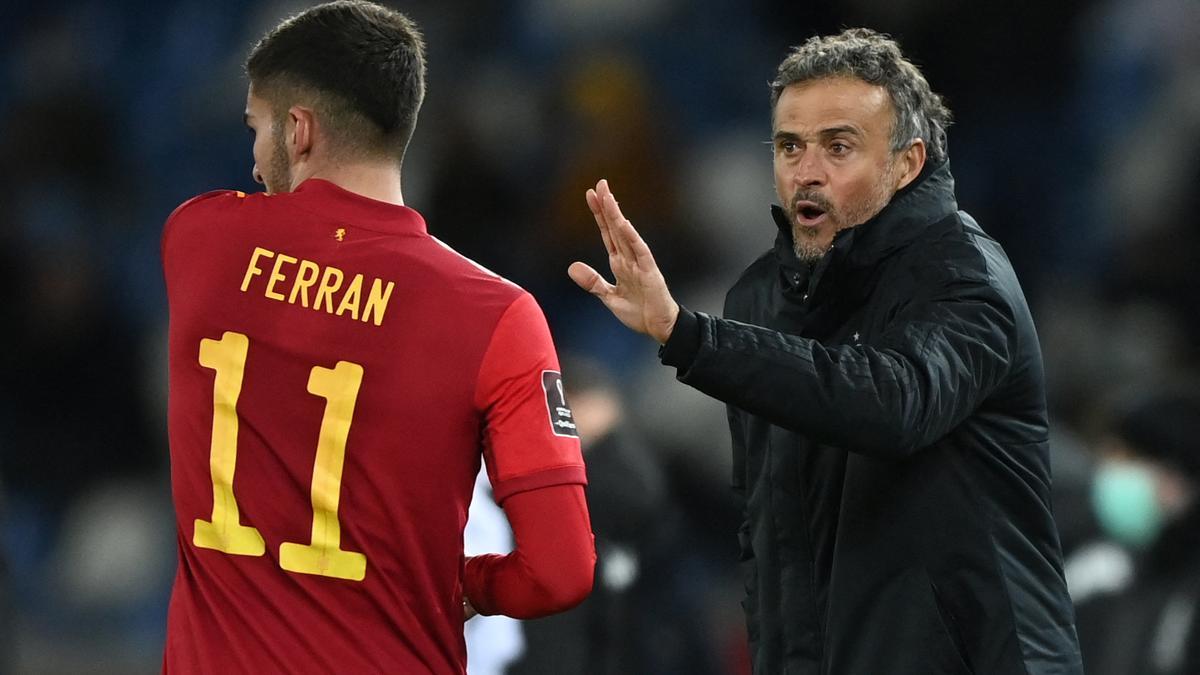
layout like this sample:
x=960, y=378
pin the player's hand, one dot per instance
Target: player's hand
x=469, y=611
x=640, y=298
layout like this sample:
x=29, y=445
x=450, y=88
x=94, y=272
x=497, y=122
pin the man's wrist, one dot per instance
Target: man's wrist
x=683, y=343
x=666, y=335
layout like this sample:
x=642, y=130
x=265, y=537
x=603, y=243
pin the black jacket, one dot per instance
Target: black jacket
x=889, y=430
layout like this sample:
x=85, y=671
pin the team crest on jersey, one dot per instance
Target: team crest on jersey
x=562, y=420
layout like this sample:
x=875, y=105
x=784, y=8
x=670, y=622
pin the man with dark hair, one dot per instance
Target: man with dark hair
x=885, y=393
x=336, y=377
x=360, y=66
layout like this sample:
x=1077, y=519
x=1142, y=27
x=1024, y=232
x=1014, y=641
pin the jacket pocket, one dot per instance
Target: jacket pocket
x=945, y=646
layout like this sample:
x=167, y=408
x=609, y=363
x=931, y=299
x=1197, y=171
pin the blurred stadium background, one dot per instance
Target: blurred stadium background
x=1077, y=145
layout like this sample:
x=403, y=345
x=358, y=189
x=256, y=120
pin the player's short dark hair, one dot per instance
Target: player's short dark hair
x=875, y=59
x=360, y=65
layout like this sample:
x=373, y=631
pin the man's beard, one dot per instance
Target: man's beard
x=808, y=249
x=280, y=177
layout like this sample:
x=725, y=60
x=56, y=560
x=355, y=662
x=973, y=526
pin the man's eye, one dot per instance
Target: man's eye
x=839, y=148
x=788, y=147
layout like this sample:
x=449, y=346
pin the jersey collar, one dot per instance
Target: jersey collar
x=323, y=195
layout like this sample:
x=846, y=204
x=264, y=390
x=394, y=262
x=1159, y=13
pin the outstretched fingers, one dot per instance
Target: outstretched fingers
x=625, y=236
x=619, y=228
x=590, y=280
x=595, y=204
x=641, y=251
x=604, y=195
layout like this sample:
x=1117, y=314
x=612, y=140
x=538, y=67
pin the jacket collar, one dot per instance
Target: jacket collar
x=921, y=203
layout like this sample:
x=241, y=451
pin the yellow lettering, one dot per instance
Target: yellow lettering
x=377, y=301
x=252, y=269
x=328, y=285
x=280, y=260
x=305, y=278
x=353, y=294
x=326, y=281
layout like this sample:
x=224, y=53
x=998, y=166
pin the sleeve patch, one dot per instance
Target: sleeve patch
x=562, y=420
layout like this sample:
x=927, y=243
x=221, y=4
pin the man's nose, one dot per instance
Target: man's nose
x=809, y=172
x=257, y=175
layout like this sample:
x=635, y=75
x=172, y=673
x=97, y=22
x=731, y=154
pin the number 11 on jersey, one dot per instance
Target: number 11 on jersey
x=324, y=556
x=339, y=387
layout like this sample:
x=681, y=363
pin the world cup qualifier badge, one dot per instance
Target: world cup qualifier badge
x=562, y=421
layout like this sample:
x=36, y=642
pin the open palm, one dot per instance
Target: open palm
x=639, y=298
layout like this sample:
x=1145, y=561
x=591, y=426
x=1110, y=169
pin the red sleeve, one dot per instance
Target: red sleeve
x=168, y=226
x=552, y=566
x=529, y=438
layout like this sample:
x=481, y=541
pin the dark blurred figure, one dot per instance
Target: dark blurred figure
x=493, y=199
x=611, y=120
x=72, y=406
x=636, y=620
x=1145, y=495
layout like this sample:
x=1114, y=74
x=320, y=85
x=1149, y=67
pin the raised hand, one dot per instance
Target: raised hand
x=640, y=298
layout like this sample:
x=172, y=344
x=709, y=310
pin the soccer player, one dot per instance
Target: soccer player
x=336, y=375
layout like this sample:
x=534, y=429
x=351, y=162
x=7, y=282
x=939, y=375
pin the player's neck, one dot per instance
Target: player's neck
x=380, y=182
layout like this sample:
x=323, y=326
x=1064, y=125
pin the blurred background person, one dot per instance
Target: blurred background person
x=642, y=616
x=1146, y=494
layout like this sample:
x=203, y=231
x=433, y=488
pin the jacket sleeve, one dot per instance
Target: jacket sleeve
x=940, y=358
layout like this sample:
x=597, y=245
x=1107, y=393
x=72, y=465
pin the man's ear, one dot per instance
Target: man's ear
x=911, y=161
x=301, y=132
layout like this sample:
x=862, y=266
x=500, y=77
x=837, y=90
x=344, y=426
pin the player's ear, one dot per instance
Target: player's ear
x=911, y=161
x=302, y=127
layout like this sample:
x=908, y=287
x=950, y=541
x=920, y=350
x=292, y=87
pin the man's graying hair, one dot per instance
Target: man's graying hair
x=875, y=59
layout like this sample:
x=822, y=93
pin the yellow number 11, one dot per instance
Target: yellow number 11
x=339, y=387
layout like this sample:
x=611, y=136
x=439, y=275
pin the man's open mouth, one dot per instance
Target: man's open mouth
x=809, y=213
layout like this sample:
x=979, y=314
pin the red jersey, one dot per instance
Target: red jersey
x=335, y=376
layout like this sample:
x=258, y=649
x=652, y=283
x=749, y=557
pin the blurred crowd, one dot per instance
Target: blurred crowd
x=1076, y=145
